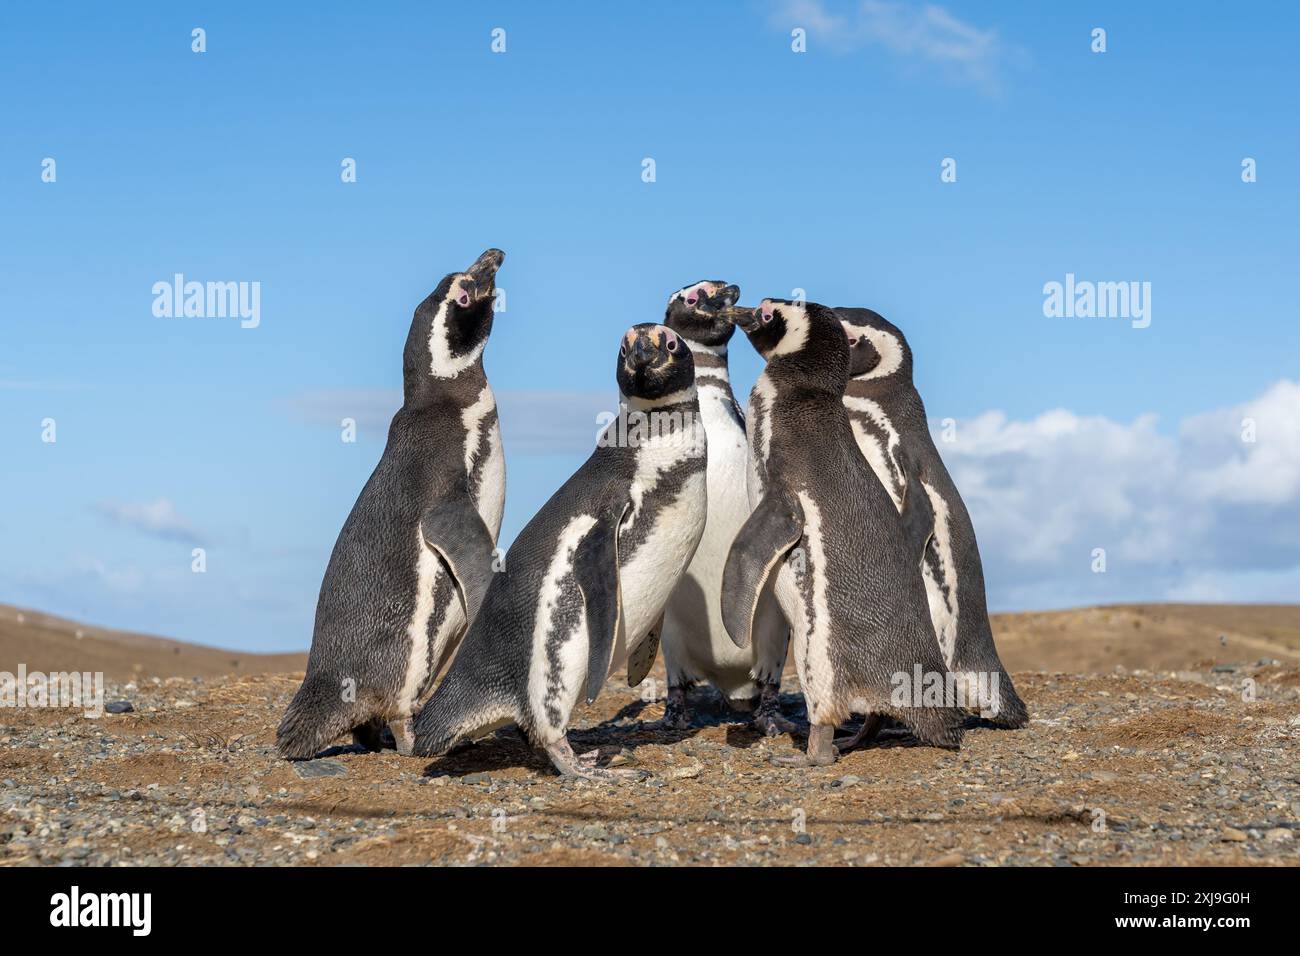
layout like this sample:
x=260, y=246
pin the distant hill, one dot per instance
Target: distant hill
x=1149, y=636
x=1076, y=641
x=47, y=643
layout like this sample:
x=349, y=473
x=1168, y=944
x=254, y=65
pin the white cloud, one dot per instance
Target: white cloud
x=1200, y=514
x=928, y=32
x=158, y=518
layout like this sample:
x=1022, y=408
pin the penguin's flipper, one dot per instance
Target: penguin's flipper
x=917, y=512
x=771, y=530
x=642, y=657
x=595, y=565
x=456, y=531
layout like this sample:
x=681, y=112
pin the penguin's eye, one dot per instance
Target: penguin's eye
x=462, y=298
x=852, y=341
x=672, y=345
x=766, y=317
x=622, y=350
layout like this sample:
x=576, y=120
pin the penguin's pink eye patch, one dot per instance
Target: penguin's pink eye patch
x=765, y=313
x=462, y=297
x=671, y=339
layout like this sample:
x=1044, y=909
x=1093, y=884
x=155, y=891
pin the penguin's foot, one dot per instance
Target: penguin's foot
x=768, y=718
x=773, y=724
x=570, y=764
x=675, y=716
x=820, y=753
x=865, y=734
x=403, y=736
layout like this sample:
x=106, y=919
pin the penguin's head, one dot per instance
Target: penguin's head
x=654, y=364
x=863, y=354
x=452, y=325
x=877, y=348
x=696, y=312
x=804, y=340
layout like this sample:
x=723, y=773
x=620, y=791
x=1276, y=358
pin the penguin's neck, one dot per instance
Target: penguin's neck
x=867, y=386
x=710, y=366
x=428, y=392
x=686, y=398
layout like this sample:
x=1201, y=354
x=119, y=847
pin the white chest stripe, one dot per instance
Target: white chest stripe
x=572, y=659
x=943, y=614
x=871, y=450
x=472, y=418
x=817, y=677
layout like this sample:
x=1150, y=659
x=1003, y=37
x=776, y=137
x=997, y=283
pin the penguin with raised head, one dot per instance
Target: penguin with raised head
x=889, y=424
x=413, y=560
x=825, y=536
x=585, y=583
x=695, y=642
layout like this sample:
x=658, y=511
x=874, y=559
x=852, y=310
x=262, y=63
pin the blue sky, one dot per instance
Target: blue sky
x=774, y=169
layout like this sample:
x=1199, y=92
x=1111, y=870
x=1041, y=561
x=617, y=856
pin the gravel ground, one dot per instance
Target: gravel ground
x=1129, y=768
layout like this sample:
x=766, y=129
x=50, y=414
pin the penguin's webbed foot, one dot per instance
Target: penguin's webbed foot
x=768, y=719
x=821, y=750
x=865, y=734
x=570, y=764
x=774, y=724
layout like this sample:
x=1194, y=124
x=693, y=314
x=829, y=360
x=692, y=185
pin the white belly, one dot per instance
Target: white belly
x=649, y=577
x=695, y=643
x=560, y=644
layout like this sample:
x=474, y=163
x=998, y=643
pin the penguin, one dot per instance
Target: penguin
x=826, y=537
x=413, y=561
x=695, y=644
x=889, y=423
x=584, y=585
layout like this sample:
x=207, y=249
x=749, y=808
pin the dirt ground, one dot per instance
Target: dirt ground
x=1196, y=766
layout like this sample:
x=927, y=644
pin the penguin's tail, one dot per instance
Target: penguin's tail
x=317, y=715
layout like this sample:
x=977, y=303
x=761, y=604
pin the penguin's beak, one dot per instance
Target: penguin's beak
x=716, y=297
x=486, y=265
x=642, y=354
x=742, y=318
x=726, y=297
x=482, y=273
